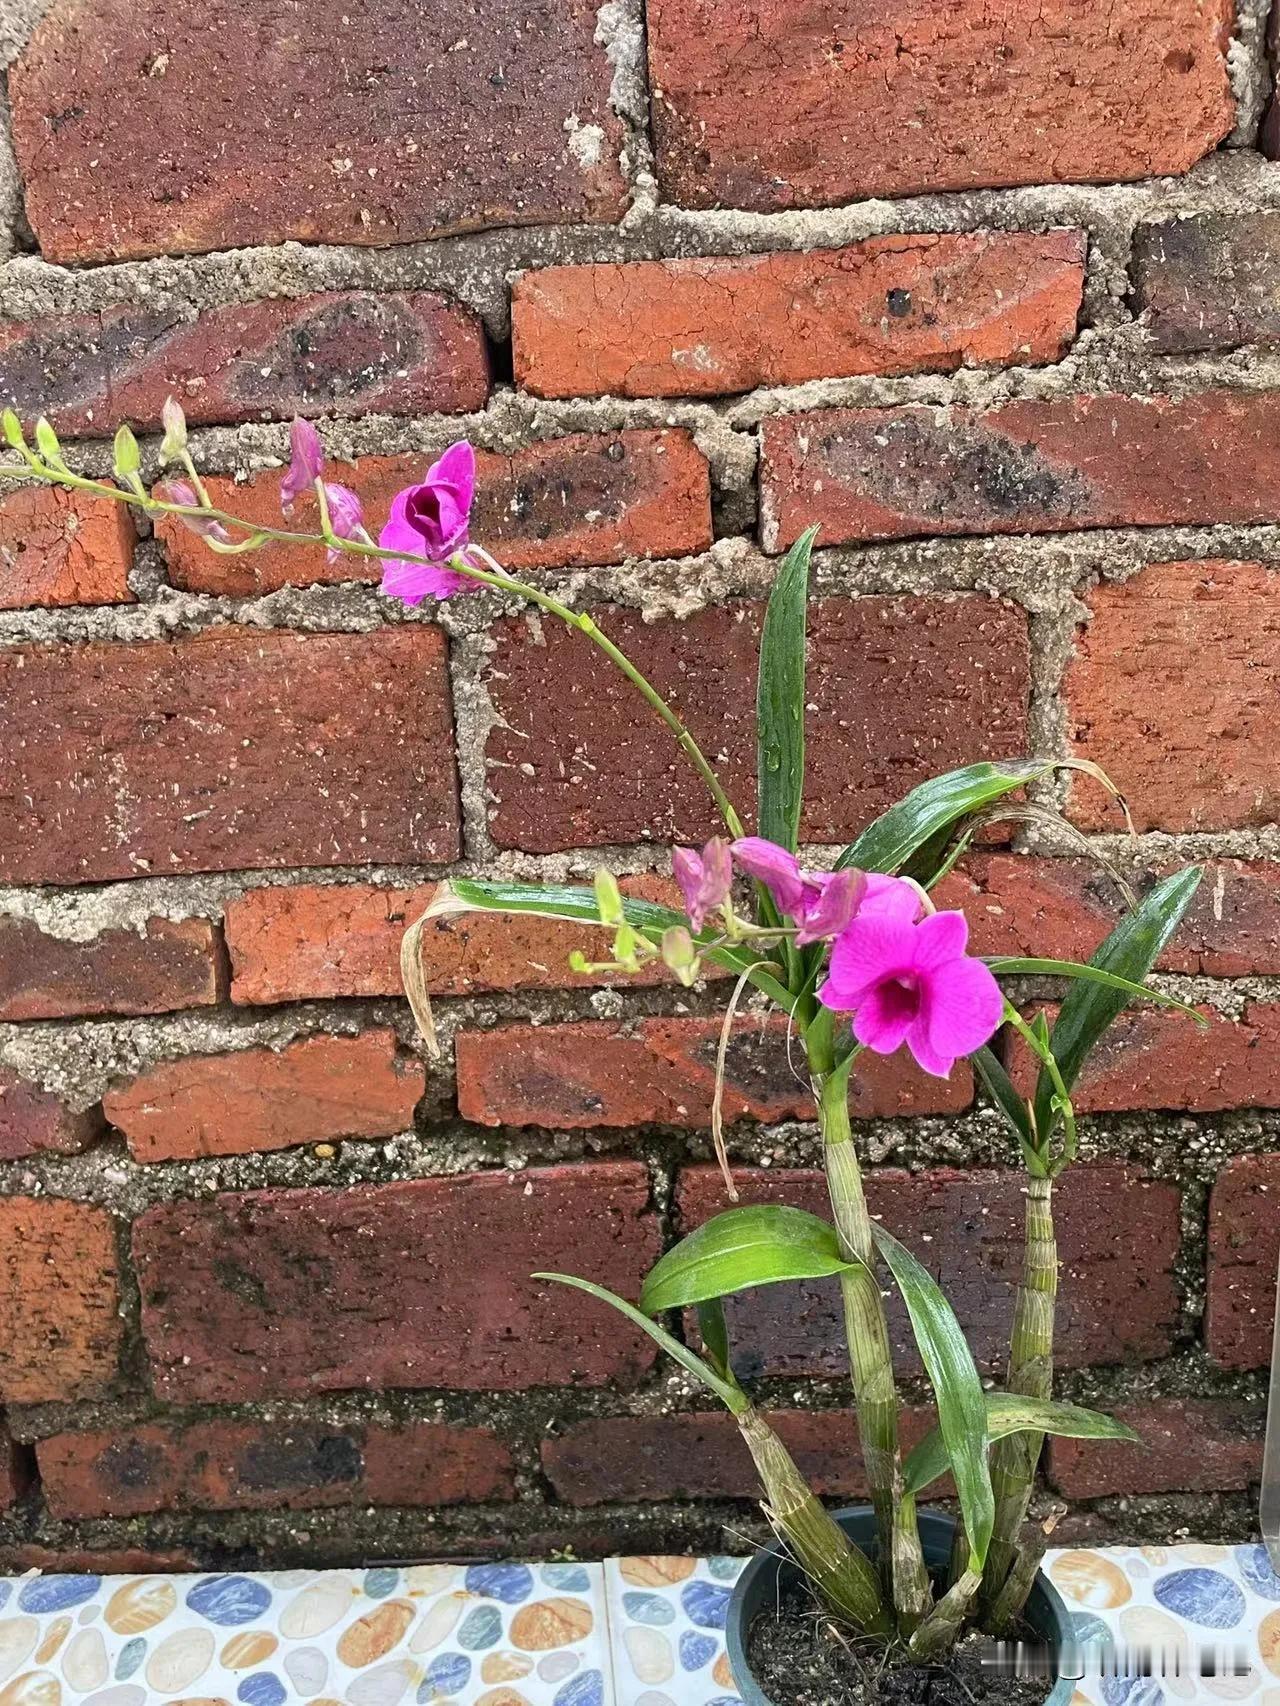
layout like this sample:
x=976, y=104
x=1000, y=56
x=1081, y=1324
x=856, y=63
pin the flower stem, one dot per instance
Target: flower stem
x=495, y=576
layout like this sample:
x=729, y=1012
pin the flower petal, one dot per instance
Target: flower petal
x=772, y=865
x=456, y=468
x=866, y=951
x=412, y=582
x=962, y=1006
x=833, y=907
x=926, y=1056
x=890, y=897
x=885, y=1014
x=941, y=937
x=306, y=463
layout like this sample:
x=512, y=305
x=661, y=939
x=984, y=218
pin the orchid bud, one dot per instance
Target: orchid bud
x=47, y=442
x=345, y=513
x=629, y=948
x=679, y=954
x=608, y=898
x=174, y=441
x=305, y=466
x=128, y=458
x=185, y=495
x=12, y=430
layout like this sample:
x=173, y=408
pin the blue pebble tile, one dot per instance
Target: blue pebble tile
x=262, y=1689
x=57, y=1593
x=1256, y=1573
x=131, y=1656
x=448, y=1673
x=697, y=1650
x=1204, y=1597
x=1132, y=1691
x=481, y=1628
x=585, y=1689
x=229, y=1600
x=648, y=1608
x=725, y=1569
x=379, y=1583
x=5, y=1591
x=510, y=1583
x=569, y=1578
x=705, y=1604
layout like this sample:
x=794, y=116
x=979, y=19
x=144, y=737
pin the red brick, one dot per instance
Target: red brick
x=577, y=759
x=662, y=1071
x=33, y=1120
x=1192, y=748
x=313, y=941
x=1210, y=281
x=635, y=1458
x=580, y=500
x=229, y=1465
x=1189, y=1445
x=14, y=1470
x=233, y=748
x=699, y=328
x=335, y=141
x=1244, y=1245
x=61, y=547
x=59, y=1329
x=316, y=1089
x=1151, y=1058
x=1064, y=908
x=422, y=1283
x=1118, y=1238
x=163, y=966
x=346, y=352
x=763, y=105
x=112, y=1561
x=1021, y=467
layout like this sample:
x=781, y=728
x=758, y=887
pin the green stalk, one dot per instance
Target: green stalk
x=870, y=1357
x=842, y=1574
x=494, y=577
x=938, y=1631
x=1008, y=1603
x=1014, y=1459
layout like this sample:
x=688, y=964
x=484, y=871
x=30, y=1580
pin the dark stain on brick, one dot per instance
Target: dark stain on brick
x=300, y=1461
x=345, y=350
x=129, y=1463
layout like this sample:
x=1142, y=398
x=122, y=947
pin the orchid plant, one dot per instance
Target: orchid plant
x=860, y=960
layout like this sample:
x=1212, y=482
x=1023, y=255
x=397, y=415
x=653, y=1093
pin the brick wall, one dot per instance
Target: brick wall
x=994, y=300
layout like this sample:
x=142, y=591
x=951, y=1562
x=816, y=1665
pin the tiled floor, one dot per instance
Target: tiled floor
x=631, y=1632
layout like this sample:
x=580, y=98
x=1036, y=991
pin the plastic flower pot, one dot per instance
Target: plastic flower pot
x=770, y=1571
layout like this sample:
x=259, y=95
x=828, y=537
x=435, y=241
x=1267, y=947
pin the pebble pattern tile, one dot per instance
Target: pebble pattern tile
x=632, y=1632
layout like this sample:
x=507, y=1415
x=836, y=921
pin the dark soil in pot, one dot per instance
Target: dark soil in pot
x=798, y=1658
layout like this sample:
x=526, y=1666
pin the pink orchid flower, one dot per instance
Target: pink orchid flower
x=346, y=514
x=704, y=878
x=431, y=520
x=182, y=492
x=822, y=902
x=913, y=983
x=305, y=466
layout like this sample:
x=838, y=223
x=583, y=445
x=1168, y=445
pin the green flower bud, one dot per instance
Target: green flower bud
x=608, y=897
x=174, y=441
x=680, y=955
x=12, y=430
x=47, y=442
x=128, y=458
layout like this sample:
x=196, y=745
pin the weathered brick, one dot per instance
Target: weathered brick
x=1021, y=467
x=662, y=1071
x=1209, y=281
x=580, y=500
x=339, y=142
x=420, y=1283
x=313, y=941
x=680, y=328
x=33, y=1120
x=594, y=766
x=1151, y=1058
x=633, y=1458
x=62, y=547
x=83, y=1560
x=164, y=966
x=233, y=748
x=1064, y=908
x=1244, y=1245
x=1191, y=748
x=1117, y=1236
x=225, y=1464
x=1189, y=1445
x=314, y=1089
x=14, y=1470
x=338, y=353
x=59, y=1329
x=762, y=105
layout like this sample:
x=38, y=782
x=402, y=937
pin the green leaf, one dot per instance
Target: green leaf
x=727, y=1390
x=714, y=1333
x=761, y=1244
x=578, y=905
x=1128, y=953
x=1092, y=974
x=911, y=837
x=1000, y=1088
x=1007, y=1413
x=780, y=698
x=962, y=1409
